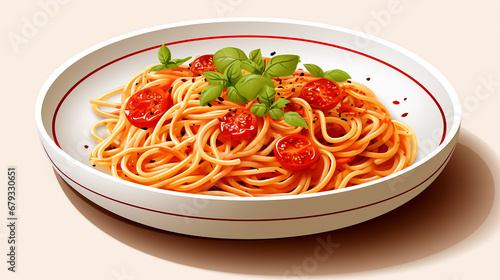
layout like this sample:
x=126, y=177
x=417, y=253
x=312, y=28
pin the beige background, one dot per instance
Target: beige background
x=449, y=232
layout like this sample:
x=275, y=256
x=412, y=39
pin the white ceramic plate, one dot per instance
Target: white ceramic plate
x=427, y=103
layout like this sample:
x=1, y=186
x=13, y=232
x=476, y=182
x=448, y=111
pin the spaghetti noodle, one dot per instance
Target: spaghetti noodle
x=357, y=141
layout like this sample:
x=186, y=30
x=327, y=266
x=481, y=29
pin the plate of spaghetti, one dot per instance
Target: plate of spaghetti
x=248, y=129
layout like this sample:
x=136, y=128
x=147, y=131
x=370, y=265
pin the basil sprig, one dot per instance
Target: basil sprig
x=165, y=58
x=257, y=83
x=267, y=105
x=335, y=75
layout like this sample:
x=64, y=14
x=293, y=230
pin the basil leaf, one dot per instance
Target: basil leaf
x=234, y=96
x=337, y=75
x=209, y=94
x=295, y=119
x=315, y=70
x=281, y=65
x=164, y=55
x=280, y=103
x=276, y=113
x=176, y=62
x=251, y=67
x=157, y=68
x=259, y=109
x=250, y=85
x=266, y=95
x=225, y=56
x=216, y=79
x=256, y=56
x=233, y=72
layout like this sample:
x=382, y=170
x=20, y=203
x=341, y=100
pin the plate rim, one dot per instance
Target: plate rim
x=451, y=93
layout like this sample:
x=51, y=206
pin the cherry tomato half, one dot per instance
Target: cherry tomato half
x=238, y=124
x=323, y=94
x=146, y=107
x=296, y=152
x=202, y=64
